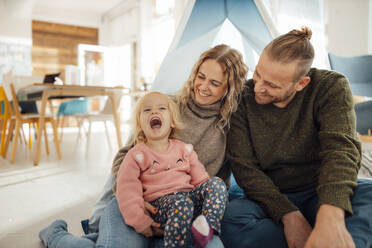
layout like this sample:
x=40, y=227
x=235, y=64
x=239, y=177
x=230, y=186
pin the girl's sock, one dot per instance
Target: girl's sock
x=201, y=231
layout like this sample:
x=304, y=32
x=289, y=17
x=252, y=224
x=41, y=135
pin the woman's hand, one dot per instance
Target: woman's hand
x=155, y=227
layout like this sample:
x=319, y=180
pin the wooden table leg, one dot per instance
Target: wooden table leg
x=8, y=136
x=15, y=140
x=40, y=128
x=55, y=135
x=3, y=135
x=116, y=119
x=46, y=140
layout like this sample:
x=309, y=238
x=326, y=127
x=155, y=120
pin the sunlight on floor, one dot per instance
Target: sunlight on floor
x=33, y=196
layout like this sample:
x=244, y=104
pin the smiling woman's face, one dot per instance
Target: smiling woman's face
x=210, y=83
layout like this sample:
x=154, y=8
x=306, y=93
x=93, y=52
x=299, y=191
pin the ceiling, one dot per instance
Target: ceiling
x=75, y=12
x=94, y=7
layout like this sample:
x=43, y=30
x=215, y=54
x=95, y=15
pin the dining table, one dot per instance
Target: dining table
x=46, y=92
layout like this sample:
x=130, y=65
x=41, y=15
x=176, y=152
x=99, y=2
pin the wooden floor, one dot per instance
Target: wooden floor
x=33, y=196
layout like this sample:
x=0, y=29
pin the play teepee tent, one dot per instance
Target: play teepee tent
x=242, y=24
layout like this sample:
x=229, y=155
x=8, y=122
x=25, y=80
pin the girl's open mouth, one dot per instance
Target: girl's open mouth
x=155, y=123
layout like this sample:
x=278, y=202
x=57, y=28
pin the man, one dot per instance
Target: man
x=294, y=151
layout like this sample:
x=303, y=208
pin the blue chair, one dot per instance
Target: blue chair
x=75, y=107
x=358, y=70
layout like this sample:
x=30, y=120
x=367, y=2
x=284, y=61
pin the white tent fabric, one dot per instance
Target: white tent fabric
x=241, y=24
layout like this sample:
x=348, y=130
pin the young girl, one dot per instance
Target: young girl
x=167, y=173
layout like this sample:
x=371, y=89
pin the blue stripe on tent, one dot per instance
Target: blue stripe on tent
x=205, y=15
x=199, y=33
x=208, y=14
x=247, y=19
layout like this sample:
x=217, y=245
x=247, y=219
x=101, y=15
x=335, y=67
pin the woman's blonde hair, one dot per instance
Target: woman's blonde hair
x=293, y=46
x=236, y=71
x=138, y=134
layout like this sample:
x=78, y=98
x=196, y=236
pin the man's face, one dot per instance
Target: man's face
x=274, y=82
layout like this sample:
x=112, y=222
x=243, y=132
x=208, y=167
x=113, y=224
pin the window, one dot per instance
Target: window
x=292, y=14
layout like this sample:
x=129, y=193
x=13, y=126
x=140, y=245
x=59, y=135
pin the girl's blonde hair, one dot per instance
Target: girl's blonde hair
x=236, y=71
x=138, y=134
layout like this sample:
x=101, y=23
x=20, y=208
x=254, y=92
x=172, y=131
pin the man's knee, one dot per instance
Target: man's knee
x=245, y=224
x=243, y=208
x=362, y=194
x=364, y=186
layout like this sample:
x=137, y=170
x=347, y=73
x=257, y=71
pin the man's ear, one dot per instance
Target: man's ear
x=302, y=83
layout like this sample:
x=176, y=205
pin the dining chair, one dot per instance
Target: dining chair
x=5, y=115
x=17, y=121
x=358, y=70
x=105, y=116
x=72, y=108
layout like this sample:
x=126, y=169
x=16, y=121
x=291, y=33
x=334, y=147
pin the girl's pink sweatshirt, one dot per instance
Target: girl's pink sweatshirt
x=146, y=175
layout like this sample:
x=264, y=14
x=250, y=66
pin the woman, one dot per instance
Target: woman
x=206, y=102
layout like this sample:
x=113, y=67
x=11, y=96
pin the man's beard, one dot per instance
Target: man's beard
x=273, y=99
x=284, y=98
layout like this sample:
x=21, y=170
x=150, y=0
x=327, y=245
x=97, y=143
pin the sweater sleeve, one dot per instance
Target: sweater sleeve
x=118, y=160
x=119, y=157
x=340, y=150
x=197, y=170
x=130, y=195
x=247, y=172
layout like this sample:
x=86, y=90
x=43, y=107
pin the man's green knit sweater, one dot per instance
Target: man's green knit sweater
x=310, y=143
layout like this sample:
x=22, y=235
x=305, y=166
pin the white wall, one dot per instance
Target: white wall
x=15, y=38
x=76, y=18
x=122, y=25
x=348, y=26
x=370, y=28
x=14, y=24
x=132, y=21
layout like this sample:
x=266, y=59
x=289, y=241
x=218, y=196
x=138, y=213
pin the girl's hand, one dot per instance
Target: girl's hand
x=156, y=230
x=147, y=232
x=149, y=209
x=152, y=230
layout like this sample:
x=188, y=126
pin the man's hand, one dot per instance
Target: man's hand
x=296, y=229
x=156, y=230
x=330, y=229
